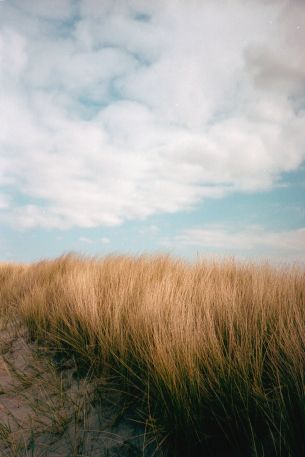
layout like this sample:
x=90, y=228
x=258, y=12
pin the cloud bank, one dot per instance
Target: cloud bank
x=118, y=110
x=251, y=241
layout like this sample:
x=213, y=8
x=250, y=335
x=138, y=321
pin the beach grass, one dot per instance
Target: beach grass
x=211, y=353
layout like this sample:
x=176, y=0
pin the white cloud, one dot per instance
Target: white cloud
x=149, y=230
x=133, y=108
x=4, y=201
x=48, y=9
x=250, y=240
x=84, y=239
x=105, y=240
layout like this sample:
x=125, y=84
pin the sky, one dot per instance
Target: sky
x=133, y=126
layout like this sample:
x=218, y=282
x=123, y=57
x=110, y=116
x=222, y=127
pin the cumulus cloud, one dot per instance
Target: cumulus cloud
x=119, y=110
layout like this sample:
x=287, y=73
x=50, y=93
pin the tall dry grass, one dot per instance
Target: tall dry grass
x=213, y=351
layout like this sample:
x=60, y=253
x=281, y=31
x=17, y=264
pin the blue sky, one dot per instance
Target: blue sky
x=136, y=126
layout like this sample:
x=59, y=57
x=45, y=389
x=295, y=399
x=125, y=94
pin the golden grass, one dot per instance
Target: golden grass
x=214, y=351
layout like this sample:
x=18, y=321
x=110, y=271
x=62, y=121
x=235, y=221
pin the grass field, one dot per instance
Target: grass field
x=212, y=353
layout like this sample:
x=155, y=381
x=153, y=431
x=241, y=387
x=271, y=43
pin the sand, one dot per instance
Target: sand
x=48, y=410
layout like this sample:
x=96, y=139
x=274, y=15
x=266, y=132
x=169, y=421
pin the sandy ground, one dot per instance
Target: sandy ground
x=46, y=410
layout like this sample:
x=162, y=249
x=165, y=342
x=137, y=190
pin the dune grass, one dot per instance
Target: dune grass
x=212, y=353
